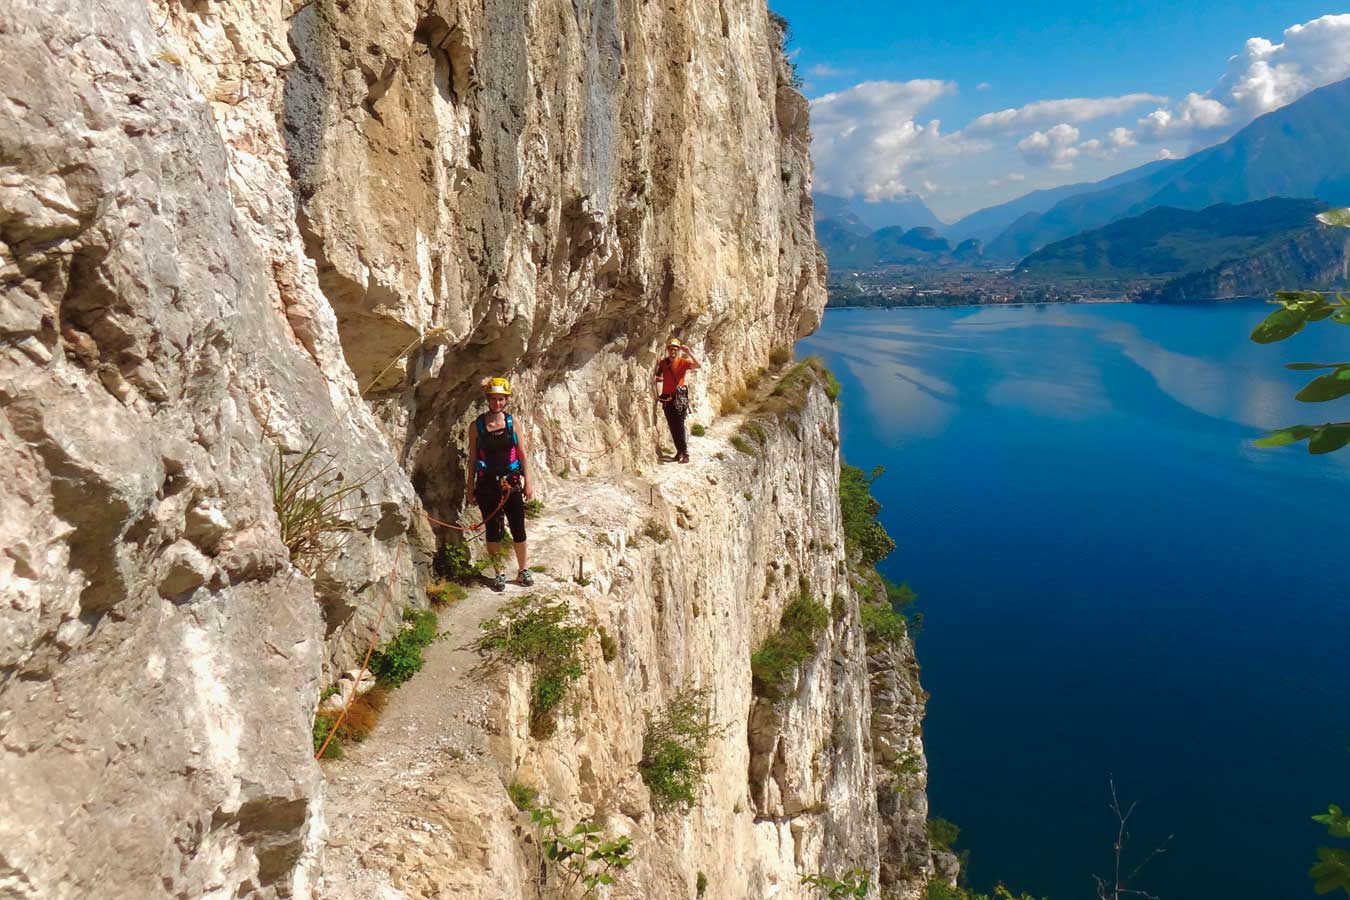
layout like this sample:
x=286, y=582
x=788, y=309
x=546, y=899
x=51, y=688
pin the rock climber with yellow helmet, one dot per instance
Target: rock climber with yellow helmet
x=497, y=467
x=673, y=395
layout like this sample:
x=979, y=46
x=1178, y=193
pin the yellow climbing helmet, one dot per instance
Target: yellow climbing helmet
x=499, y=386
x=674, y=342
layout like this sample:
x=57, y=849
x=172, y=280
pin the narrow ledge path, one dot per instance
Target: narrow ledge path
x=407, y=810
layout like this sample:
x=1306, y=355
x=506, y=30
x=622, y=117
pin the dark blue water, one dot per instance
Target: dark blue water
x=1115, y=583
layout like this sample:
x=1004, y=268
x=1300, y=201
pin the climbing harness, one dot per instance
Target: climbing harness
x=481, y=464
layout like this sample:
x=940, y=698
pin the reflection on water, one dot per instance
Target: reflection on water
x=1115, y=582
x=1064, y=365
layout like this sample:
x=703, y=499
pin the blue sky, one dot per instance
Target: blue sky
x=898, y=90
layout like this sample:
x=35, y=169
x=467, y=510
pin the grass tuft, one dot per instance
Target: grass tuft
x=522, y=795
x=442, y=593
x=309, y=495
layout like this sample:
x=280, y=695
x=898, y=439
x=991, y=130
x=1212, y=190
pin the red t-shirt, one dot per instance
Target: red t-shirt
x=672, y=373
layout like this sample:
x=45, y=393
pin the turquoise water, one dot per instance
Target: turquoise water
x=1115, y=584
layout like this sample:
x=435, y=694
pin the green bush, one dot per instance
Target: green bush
x=697, y=430
x=401, y=658
x=534, y=509
x=743, y=445
x=865, y=540
x=792, y=644
x=853, y=883
x=701, y=885
x=323, y=723
x=779, y=355
x=942, y=834
x=522, y=795
x=542, y=634
x=310, y=497
x=675, y=750
x=882, y=624
x=455, y=562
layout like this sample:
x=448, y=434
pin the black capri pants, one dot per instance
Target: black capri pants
x=488, y=494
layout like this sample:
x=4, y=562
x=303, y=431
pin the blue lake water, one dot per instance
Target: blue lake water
x=1115, y=584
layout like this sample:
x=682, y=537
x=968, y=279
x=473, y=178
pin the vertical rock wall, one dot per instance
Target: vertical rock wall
x=237, y=228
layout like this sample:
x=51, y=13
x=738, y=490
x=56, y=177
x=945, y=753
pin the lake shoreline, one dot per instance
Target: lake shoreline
x=1093, y=302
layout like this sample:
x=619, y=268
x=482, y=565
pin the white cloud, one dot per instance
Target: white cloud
x=1043, y=112
x=1164, y=153
x=1096, y=149
x=866, y=140
x=1194, y=114
x=983, y=86
x=1262, y=77
x=1120, y=137
x=820, y=70
x=1016, y=176
x=929, y=187
x=1053, y=147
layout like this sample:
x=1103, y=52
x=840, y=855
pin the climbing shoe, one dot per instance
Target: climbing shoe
x=683, y=457
x=499, y=583
x=526, y=577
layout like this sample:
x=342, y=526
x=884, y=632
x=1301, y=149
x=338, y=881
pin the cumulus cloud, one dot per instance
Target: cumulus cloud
x=1164, y=153
x=983, y=86
x=1193, y=115
x=1043, y=112
x=1120, y=137
x=1262, y=77
x=1053, y=147
x=866, y=139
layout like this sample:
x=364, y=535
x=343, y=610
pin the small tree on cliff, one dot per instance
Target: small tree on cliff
x=1297, y=308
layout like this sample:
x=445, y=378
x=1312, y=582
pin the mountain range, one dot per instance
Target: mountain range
x=1301, y=150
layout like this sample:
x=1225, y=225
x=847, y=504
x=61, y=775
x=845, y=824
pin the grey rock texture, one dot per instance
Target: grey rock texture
x=233, y=231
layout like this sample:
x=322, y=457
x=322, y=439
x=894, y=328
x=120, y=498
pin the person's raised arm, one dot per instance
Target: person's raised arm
x=693, y=363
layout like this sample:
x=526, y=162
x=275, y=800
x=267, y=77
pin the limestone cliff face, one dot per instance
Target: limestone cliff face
x=236, y=229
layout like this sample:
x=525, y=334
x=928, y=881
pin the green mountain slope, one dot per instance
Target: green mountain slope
x=1167, y=241
x=1300, y=150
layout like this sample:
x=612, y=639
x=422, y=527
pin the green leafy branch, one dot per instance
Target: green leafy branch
x=853, y=883
x=580, y=858
x=1297, y=309
x=1332, y=870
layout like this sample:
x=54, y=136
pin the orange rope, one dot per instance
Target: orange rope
x=365, y=663
x=596, y=454
x=506, y=496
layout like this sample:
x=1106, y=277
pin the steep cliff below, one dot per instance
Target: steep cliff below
x=231, y=233
x=688, y=572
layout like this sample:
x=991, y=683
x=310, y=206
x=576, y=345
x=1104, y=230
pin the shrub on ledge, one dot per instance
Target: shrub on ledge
x=542, y=634
x=775, y=662
x=675, y=750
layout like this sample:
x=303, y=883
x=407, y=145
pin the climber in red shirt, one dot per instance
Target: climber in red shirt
x=674, y=396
